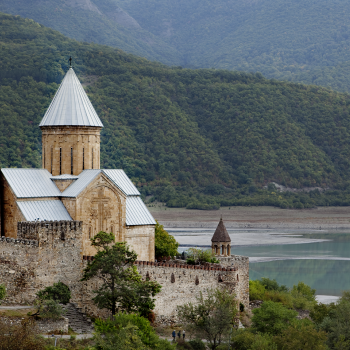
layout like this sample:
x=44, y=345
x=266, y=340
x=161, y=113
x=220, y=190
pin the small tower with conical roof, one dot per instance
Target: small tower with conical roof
x=70, y=130
x=221, y=241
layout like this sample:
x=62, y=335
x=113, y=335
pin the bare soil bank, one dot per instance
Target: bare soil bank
x=255, y=217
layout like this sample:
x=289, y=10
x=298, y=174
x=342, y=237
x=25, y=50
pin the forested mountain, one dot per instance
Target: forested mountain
x=297, y=40
x=195, y=138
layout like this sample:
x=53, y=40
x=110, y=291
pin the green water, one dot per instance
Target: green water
x=315, y=264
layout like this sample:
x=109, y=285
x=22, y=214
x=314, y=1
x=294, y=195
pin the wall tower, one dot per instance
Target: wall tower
x=221, y=241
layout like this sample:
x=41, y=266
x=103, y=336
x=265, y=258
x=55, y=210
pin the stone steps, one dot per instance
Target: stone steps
x=78, y=321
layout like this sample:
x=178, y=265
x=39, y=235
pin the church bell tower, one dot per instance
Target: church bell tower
x=70, y=130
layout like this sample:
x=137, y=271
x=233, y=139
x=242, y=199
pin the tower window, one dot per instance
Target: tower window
x=44, y=158
x=71, y=160
x=83, y=159
x=92, y=159
x=51, y=158
x=89, y=232
x=60, y=161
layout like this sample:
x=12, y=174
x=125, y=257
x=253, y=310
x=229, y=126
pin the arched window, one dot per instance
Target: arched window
x=92, y=159
x=83, y=159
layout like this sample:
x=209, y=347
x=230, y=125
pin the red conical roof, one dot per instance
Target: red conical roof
x=221, y=234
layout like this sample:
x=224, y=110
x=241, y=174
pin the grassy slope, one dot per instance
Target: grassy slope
x=170, y=126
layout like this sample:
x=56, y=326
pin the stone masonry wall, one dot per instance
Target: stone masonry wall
x=11, y=212
x=27, y=266
x=242, y=265
x=181, y=283
x=141, y=240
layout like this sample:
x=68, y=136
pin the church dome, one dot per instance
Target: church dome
x=71, y=105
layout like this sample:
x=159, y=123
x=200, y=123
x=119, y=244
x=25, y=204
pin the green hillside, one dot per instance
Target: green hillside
x=105, y=24
x=195, y=138
x=296, y=40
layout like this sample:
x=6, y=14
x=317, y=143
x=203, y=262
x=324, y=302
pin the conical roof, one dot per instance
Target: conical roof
x=221, y=234
x=71, y=105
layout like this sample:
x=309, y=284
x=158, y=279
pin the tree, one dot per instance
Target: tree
x=304, y=296
x=272, y=318
x=59, y=292
x=122, y=287
x=256, y=290
x=165, y=244
x=213, y=316
x=196, y=256
x=301, y=335
x=337, y=323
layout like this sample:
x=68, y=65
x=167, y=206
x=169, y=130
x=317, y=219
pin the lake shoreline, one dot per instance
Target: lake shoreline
x=321, y=218
x=258, y=226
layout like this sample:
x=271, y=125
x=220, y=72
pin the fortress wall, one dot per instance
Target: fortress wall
x=18, y=262
x=181, y=283
x=141, y=240
x=26, y=266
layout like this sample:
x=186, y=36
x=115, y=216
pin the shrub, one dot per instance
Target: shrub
x=120, y=326
x=321, y=311
x=196, y=256
x=280, y=297
x=197, y=344
x=304, y=296
x=2, y=292
x=23, y=336
x=272, y=317
x=301, y=335
x=50, y=309
x=246, y=340
x=272, y=285
x=256, y=290
x=59, y=292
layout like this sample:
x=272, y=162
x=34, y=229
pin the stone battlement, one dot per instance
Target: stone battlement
x=208, y=267
x=39, y=229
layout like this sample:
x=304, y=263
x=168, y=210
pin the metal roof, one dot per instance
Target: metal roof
x=122, y=181
x=31, y=183
x=44, y=210
x=71, y=105
x=117, y=176
x=137, y=212
x=79, y=185
x=65, y=177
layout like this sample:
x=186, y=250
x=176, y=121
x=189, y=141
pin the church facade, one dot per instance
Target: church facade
x=71, y=186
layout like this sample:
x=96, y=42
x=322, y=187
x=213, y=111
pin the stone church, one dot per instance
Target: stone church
x=71, y=186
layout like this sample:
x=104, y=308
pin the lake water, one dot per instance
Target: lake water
x=320, y=259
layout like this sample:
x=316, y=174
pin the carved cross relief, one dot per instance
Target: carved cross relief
x=100, y=210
